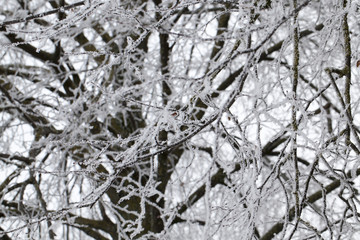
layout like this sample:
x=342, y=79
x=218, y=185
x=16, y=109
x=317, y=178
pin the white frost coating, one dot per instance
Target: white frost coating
x=179, y=120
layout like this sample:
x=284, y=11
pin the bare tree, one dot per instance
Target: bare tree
x=190, y=119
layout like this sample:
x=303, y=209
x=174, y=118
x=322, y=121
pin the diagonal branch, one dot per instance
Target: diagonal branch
x=279, y=226
x=41, y=15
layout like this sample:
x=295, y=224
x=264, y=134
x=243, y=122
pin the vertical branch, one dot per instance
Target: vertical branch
x=166, y=92
x=164, y=58
x=293, y=116
x=347, y=69
x=43, y=204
